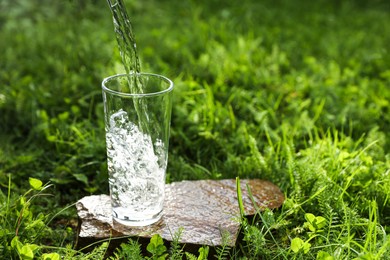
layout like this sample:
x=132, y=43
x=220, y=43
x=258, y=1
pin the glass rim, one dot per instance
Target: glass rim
x=124, y=94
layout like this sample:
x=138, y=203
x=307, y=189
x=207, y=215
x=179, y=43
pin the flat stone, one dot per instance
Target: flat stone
x=204, y=210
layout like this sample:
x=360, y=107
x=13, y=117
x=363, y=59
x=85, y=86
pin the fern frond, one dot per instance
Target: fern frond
x=223, y=250
x=130, y=250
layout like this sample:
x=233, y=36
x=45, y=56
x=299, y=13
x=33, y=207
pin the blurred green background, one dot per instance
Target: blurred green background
x=240, y=68
x=246, y=74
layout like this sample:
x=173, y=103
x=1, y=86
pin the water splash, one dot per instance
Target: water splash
x=136, y=169
x=126, y=43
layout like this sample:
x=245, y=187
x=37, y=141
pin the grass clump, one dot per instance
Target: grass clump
x=295, y=92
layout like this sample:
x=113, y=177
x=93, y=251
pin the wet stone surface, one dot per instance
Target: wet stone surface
x=203, y=209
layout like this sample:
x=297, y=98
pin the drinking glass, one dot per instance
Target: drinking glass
x=137, y=109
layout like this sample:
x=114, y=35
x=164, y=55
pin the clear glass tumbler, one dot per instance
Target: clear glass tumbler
x=137, y=110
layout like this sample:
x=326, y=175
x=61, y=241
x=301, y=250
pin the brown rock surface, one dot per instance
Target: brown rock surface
x=204, y=209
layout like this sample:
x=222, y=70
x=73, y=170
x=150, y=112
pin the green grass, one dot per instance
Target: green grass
x=296, y=92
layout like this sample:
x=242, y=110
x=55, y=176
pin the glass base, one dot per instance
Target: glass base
x=139, y=222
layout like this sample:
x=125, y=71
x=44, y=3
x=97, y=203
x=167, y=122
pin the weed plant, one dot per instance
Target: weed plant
x=295, y=92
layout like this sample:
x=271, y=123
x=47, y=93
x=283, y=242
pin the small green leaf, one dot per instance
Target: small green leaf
x=51, y=256
x=16, y=244
x=63, y=116
x=203, y=253
x=81, y=177
x=151, y=248
x=310, y=217
x=35, y=183
x=296, y=244
x=51, y=138
x=157, y=240
x=321, y=255
x=27, y=251
x=156, y=246
x=320, y=222
x=306, y=247
x=314, y=223
x=22, y=201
